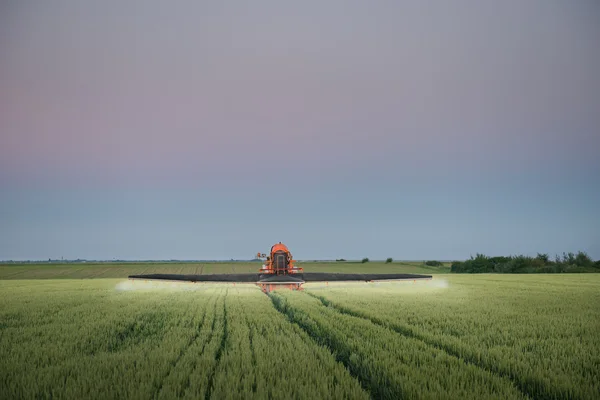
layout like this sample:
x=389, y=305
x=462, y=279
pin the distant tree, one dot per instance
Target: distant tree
x=365, y=260
x=389, y=260
x=434, y=263
x=521, y=264
x=583, y=260
x=341, y=259
x=458, y=267
x=569, y=258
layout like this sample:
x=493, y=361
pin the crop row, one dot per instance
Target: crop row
x=83, y=339
x=78, y=344
x=388, y=364
x=115, y=270
x=470, y=337
x=266, y=356
x=540, y=331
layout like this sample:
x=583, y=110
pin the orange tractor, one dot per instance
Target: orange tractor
x=279, y=271
x=279, y=264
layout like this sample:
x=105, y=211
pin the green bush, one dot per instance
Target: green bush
x=569, y=262
x=365, y=260
x=389, y=260
x=434, y=263
x=458, y=267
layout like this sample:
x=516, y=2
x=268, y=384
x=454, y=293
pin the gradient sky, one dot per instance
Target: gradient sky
x=213, y=129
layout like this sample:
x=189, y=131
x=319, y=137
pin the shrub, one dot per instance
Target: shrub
x=569, y=262
x=365, y=260
x=583, y=260
x=434, y=263
x=458, y=267
x=389, y=260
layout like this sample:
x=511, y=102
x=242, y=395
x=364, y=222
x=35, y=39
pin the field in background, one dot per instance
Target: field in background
x=475, y=336
x=122, y=270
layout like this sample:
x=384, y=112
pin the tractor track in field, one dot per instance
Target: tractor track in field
x=184, y=349
x=252, y=354
x=19, y=272
x=144, y=270
x=364, y=381
x=67, y=274
x=252, y=351
x=211, y=378
x=103, y=271
x=528, y=390
x=206, y=342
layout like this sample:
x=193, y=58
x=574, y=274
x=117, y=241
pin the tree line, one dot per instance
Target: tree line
x=567, y=263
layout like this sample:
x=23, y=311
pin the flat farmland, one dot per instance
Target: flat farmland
x=123, y=270
x=467, y=336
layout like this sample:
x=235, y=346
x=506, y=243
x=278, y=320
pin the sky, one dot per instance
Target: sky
x=345, y=129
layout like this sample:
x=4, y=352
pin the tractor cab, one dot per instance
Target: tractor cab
x=280, y=261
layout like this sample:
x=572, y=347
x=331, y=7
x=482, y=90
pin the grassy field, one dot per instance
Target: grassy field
x=456, y=336
x=122, y=270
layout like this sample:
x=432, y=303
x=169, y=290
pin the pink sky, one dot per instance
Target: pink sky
x=345, y=94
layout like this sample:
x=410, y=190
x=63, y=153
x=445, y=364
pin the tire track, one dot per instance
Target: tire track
x=252, y=351
x=212, y=329
x=211, y=379
x=206, y=342
x=11, y=275
x=95, y=276
x=67, y=273
x=527, y=390
x=252, y=355
x=184, y=349
x=143, y=271
x=374, y=391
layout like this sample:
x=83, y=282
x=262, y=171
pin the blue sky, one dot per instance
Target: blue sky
x=344, y=129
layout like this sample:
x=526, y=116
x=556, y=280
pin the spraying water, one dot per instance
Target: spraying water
x=407, y=286
x=129, y=285
x=439, y=283
x=404, y=286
